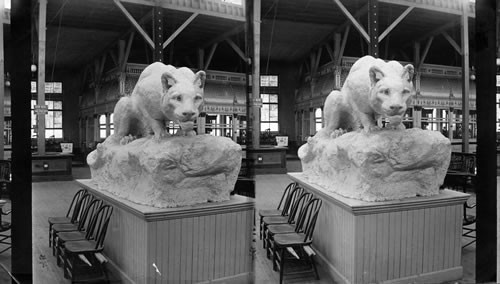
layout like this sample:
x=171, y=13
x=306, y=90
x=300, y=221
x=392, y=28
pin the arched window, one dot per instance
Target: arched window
x=318, y=116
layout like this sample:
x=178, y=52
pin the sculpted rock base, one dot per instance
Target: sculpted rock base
x=176, y=171
x=379, y=165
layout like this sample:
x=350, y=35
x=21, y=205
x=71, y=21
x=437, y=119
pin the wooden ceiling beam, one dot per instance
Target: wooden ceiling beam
x=439, y=30
x=222, y=37
x=351, y=18
x=426, y=50
x=185, y=9
x=453, y=43
x=413, y=3
x=237, y=49
x=394, y=24
x=180, y=29
x=134, y=23
x=210, y=55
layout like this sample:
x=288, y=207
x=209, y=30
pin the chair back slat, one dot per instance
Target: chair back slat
x=89, y=212
x=285, y=195
x=292, y=197
x=76, y=200
x=5, y=170
x=80, y=207
x=99, y=225
x=307, y=218
x=298, y=207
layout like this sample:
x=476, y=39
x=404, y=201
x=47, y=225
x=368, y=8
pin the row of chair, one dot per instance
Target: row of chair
x=77, y=239
x=287, y=232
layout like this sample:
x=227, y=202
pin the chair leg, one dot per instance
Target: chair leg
x=50, y=234
x=314, y=267
x=282, y=264
x=260, y=227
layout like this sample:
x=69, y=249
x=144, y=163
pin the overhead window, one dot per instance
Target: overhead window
x=269, y=112
x=53, y=119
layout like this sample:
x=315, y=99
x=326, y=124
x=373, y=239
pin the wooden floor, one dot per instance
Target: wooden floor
x=52, y=199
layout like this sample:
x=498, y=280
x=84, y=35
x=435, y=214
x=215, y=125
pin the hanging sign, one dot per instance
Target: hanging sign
x=40, y=109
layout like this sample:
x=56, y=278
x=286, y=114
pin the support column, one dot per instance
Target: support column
x=96, y=128
x=158, y=33
x=255, y=116
x=42, y=19
x=87, y=131
x=312, y=122
x=108, y=124
x=487, y=246
x=417, y=117
x=373, y=27
x=201, y=122
x=21, y=196
x=236, y=123
x=2, y=83
x=465, y=77
x=451, y=123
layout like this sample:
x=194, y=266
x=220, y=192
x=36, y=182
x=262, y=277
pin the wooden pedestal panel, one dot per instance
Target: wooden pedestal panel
x=201, y=243
x=415, y=239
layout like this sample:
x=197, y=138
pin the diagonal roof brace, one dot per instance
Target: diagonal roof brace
x=180, y=29
x=394, y=24
x=134, y=23
x=357, y=25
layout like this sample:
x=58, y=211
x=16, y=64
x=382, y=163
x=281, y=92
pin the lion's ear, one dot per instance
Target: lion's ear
x=167, y=80
x=200, y=78
x=408, y=72
x=376, y=74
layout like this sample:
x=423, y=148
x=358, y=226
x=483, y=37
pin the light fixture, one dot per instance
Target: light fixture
x=33, y=68
x=7, y=80
x=498, y=61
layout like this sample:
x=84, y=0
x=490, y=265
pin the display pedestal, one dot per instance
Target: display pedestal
x=208, y=242
x=411, y=240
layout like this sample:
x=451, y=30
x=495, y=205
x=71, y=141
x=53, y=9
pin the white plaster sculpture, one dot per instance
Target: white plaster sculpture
x=142, y=163
x=373, y=89
x=371, y=163
x=162, y=94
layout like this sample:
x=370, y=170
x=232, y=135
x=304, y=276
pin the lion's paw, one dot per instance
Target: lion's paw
x=127, y=139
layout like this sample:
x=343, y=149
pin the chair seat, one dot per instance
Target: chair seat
x=270, y=212
x=59, y=220
x=80, y=246
x=280, y=229
x=65, y=227
x=275, y=220
x=71, y=236
x=291, y=239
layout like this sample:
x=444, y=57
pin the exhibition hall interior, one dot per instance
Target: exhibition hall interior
x=249, y=141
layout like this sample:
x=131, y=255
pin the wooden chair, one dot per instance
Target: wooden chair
x=83, y=260
x=280, y=210
x=5, y=238
x=462, y=175
x=79, y=220
x=71, y=215
x=289, y=227
x=5, y=178
x=84, y=228
x=298, y=197
x=298, y=244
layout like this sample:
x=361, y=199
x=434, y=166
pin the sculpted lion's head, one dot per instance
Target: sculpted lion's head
x=391, y=87
x=182, y=98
